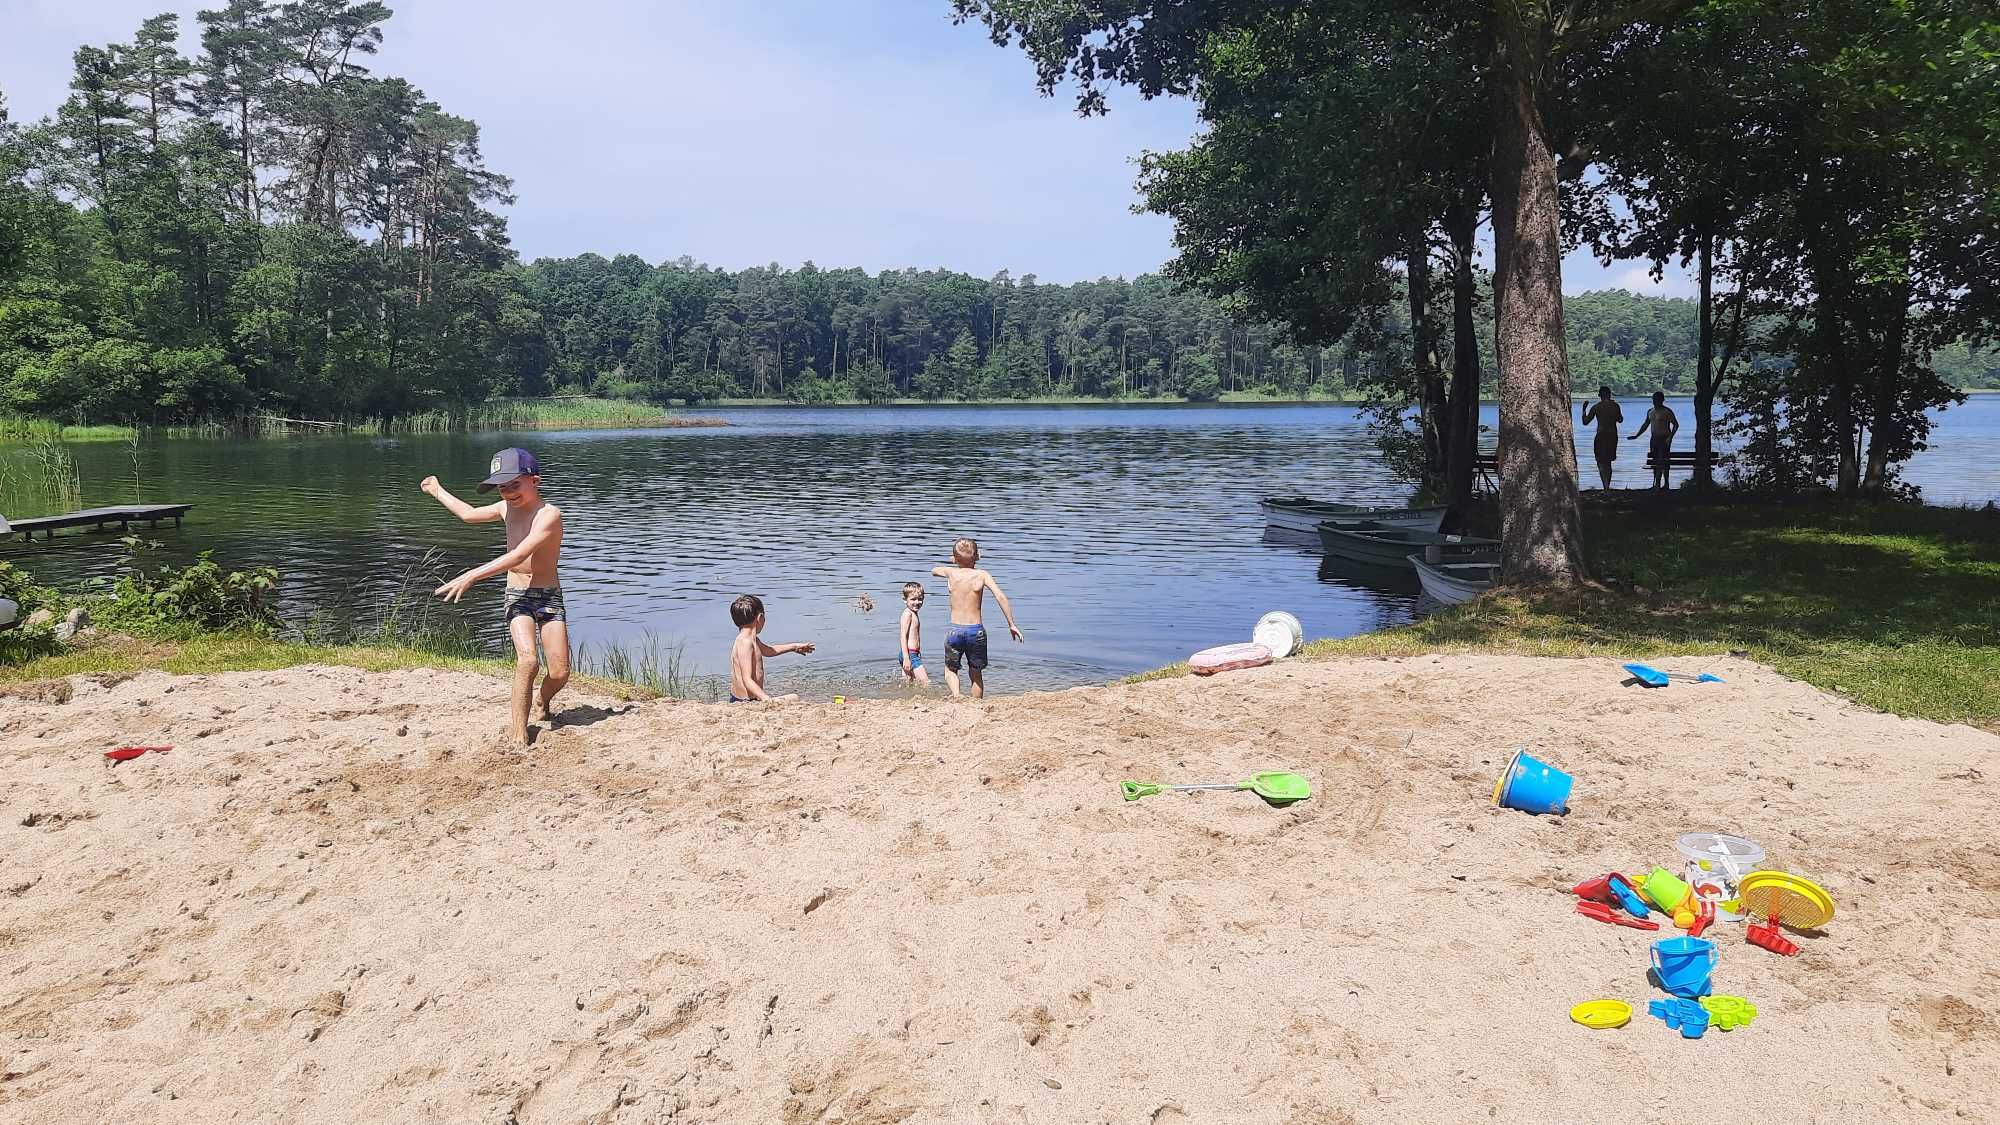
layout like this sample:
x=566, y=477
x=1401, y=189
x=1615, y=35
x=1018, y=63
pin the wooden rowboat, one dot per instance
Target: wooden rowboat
x=1377, y=544
x=1452, y=583
x=1297, y=513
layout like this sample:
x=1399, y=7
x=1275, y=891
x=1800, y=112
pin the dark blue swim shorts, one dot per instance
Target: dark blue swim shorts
x=967, y=642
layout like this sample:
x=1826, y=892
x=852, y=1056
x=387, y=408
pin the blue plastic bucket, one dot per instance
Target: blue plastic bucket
x=1685, y=965
x=1533, y=786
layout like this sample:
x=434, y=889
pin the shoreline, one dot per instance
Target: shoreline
x=25, y=430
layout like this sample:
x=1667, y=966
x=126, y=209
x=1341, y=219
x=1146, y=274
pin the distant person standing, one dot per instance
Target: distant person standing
x=1609, y=416
x=1661, y=420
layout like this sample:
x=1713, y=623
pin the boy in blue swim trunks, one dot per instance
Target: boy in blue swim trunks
x=910, y=636
x=746, y=657
x=965, y=641
x=533, y=604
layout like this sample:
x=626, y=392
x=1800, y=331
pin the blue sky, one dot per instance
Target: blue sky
x=870, y=132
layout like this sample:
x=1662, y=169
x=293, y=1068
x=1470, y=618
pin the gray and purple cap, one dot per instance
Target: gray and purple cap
x=508, y=464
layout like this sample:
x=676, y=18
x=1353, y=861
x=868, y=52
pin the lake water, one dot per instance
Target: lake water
x=1126, y=537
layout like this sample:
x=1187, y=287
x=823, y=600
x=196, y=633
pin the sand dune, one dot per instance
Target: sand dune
x=339, y=899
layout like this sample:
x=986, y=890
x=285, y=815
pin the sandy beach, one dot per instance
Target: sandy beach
x=340, y=899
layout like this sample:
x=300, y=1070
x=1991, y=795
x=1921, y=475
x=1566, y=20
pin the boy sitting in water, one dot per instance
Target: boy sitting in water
x=746, y=657
x=965, y=641
x=533, y=605
x=910, y=639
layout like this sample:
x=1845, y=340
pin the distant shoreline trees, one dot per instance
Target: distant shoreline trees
x=268, y=227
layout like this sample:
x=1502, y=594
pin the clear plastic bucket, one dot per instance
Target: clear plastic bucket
x=1716, y=863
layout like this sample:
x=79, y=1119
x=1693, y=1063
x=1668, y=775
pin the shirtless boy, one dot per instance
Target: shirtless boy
x=1661, y=420
x=533, y=604
x=965, y=641
x=910, y=635
x=746, y=656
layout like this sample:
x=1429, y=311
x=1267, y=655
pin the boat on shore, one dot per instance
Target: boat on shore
x=1377, y=544
x=1454, y=583
x=1298, y=513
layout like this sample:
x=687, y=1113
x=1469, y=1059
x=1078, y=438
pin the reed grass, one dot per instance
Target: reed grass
x=650, y=665
x=39, y=479
x=493, y=414
x=408, y=618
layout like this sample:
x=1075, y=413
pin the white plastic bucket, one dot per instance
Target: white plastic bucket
x=1280, y=632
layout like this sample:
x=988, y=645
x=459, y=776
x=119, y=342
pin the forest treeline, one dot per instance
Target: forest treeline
x=269, y=227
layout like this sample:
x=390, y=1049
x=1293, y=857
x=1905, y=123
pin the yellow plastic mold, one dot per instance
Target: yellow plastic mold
x=1601, y=1014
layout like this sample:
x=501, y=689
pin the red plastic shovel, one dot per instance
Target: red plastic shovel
x=127, y=753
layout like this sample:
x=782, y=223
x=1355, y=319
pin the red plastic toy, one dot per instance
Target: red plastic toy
x=127, y=753
x=1595, y=890
x=1604, y=913
x=1765, y=935
x=1704, y=917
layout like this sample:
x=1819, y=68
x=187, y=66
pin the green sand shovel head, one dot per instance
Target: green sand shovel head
x=1279, y=787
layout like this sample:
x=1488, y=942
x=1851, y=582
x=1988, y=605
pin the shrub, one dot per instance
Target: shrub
x=200, y=597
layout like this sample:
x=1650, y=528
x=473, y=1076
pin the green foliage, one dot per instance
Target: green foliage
x=21, y=641
x=170, y=602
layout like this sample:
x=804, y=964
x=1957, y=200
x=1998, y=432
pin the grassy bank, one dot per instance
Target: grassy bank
x=544, y=414
x=1895, y=607
x=237, y=652
x=19, y=429
x=496, y=414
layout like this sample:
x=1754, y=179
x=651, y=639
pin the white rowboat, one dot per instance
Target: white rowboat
x=1452, y=583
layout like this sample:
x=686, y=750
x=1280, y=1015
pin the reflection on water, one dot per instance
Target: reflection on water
x=1126, y=537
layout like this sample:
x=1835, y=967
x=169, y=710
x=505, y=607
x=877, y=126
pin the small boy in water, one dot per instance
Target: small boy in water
x=533, y=605
x=910, y=637
x=746, y=657
x=965, y=641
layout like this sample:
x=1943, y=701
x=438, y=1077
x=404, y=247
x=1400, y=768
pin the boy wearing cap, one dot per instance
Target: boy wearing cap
x=533, y=605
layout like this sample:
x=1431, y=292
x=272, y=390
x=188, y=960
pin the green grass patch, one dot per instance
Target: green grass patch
x=1894, y=606
x=20, y=429
x=240, y=652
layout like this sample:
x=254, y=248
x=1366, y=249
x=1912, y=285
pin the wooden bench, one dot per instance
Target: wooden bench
x=1487, y=465
x=1688, y=460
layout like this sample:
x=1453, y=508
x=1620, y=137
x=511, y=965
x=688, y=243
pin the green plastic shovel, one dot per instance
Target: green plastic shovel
x=1275, y=786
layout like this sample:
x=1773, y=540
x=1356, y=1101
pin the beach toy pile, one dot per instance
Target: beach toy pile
x=1718, y=881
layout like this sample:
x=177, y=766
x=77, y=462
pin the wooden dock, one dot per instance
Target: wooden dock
x=101, y=519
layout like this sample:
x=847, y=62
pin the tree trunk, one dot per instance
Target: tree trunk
x=1541, y=534
x=1887, y=390
x=1424, y=359
x=1847, y=479
x=1704, y=375
x=1462, y=423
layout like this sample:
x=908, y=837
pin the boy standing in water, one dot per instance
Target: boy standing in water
x=1609, y=417
x=910, y=636
x=966, y=639
x=533, y=604
x=746, y=657
x=1661, y=420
